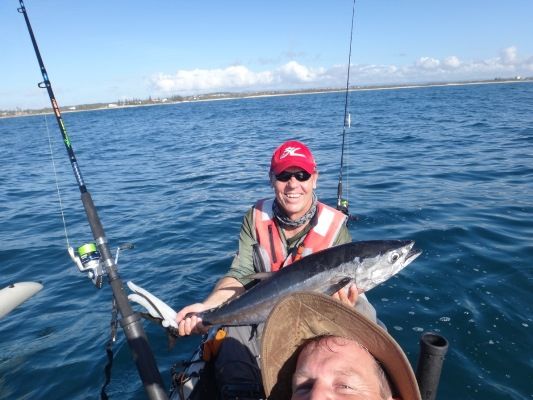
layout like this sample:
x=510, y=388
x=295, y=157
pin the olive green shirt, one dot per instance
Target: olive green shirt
x=242, y=265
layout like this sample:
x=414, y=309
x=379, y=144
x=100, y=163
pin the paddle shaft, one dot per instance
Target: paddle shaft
x=130, y=322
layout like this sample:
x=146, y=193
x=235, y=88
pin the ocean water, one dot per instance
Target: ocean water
x=450, y=167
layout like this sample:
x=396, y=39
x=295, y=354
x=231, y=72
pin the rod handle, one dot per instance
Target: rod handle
x=433, y=348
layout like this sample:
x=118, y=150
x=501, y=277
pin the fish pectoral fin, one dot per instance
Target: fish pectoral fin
x=259, y=276
x=336, y=286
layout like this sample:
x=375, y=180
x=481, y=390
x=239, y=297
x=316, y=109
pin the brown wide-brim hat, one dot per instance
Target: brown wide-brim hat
x=301, y=316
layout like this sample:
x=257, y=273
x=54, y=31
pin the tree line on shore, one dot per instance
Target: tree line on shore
x=229, y=95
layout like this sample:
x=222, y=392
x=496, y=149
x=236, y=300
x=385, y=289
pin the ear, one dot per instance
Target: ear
x=315, y=180
x=271, y=178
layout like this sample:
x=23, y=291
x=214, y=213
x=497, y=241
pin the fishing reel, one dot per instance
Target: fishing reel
x=342, y=205
x=88, y=261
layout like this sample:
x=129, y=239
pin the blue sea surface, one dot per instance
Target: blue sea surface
x=450, y=167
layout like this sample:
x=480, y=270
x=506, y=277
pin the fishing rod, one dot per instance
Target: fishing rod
x=90, y=261
x=433, y=347
x=342, y=203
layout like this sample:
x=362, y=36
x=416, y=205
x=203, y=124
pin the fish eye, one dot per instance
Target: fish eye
x=394, y=257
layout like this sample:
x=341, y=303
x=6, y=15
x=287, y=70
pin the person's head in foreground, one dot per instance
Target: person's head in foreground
x=315, y=347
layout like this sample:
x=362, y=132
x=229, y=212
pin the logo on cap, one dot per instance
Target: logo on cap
x=291, y=151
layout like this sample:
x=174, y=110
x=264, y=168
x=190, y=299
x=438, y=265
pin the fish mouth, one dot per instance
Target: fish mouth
x=413, y=254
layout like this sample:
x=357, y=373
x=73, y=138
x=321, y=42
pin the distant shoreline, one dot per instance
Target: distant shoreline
x=248, y=95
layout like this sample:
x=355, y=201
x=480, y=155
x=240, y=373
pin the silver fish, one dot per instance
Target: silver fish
x=367, y=264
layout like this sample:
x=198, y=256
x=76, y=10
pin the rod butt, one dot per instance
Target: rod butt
x=433, y=348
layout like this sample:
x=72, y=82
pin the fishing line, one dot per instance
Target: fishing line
x=342, y=203
x=114, y=311
x=52, y=159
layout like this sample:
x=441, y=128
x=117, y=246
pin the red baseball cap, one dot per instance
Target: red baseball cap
x=292, y=154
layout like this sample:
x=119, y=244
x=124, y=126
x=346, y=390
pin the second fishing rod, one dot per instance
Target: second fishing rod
x=342, y=202
x=130, y=321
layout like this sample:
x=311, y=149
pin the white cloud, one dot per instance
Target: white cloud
x=529, y=64
x=294, y=75
x=451, y=62
x=236, y=77
x=509, y=55
x=428, y=63
x=203, y=79
x=294, y=72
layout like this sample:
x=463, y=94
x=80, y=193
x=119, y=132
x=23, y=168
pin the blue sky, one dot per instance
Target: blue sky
x=104, y=51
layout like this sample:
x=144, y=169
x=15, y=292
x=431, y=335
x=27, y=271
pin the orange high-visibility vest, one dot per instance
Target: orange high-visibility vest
x=320, y=237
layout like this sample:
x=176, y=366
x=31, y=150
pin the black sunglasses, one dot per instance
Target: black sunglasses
x=301, y=176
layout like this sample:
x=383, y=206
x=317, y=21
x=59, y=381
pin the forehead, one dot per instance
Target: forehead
x=336, y=350
x=334, y=344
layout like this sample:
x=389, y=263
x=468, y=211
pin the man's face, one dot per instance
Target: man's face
x=295, y=196
x=335, y=368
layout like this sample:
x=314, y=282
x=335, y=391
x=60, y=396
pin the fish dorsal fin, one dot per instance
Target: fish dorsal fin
x=259, y=276
x=336, y=286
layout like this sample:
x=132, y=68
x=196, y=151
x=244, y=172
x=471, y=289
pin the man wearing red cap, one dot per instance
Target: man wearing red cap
x=275, y=233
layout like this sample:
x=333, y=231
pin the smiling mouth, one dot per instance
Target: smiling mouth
x=293, y=195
